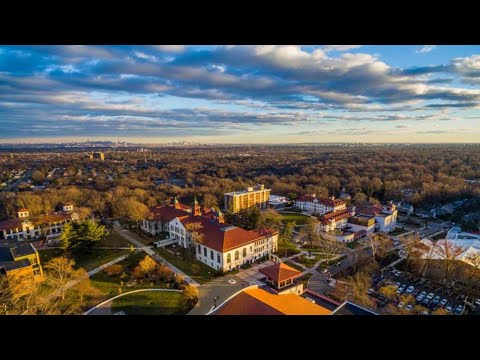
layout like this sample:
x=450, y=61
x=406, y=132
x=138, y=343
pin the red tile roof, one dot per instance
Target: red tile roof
x=12, y=224
x=280, y=272
x=218, y=236
x=336, y=215
x=23, y=210
x=372, y=210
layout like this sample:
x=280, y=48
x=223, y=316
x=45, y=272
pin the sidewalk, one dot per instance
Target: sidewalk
x=125, y=234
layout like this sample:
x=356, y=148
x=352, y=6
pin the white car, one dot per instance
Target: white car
x=370, y=291
x=477, y=302
x=410, y=289
x=401, y=304
x=409, y=307
x=324, y=271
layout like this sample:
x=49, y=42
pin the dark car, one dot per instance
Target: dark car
x=458, y=310
x=435, y=302
x=415, y=292
x=426, y=301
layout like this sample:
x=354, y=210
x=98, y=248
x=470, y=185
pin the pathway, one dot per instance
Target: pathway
x=126, y=234
x=90, y=273
x=104, y=308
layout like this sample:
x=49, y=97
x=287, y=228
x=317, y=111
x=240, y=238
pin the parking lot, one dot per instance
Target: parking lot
x=435, y=296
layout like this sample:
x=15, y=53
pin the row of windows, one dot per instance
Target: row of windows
x=205, y=253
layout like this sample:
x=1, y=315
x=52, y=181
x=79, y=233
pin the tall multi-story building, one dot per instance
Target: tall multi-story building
x=254, y=195
x=223, y=247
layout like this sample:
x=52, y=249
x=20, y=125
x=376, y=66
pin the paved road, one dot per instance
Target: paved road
x=125, y=234
x=14, y=185
x=218, y=287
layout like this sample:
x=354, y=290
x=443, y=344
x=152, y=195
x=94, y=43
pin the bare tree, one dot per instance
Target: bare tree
x=449, y=253
x=410, y=243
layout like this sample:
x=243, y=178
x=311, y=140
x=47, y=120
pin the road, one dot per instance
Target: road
x=13, y=186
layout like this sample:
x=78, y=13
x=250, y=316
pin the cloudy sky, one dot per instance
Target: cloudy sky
x=240, y=94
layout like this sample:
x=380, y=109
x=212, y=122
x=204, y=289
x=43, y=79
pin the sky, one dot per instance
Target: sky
x=240, y=94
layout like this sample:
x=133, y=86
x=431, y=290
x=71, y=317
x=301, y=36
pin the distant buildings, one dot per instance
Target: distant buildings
x=312, y=204
x=99, y=155
x=26, y=227
x=256, y=195
x=21, y=259
x=222, y=247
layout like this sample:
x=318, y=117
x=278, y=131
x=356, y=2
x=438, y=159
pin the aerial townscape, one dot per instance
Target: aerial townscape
x=300, y=198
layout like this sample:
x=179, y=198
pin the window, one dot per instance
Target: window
x=211, y=255
x=251, y=248
x=199, y=249
x=244, y=252
x=229, y=258
x=205, y=251
x=33, y=261
x=218, y=258
x=237, y=255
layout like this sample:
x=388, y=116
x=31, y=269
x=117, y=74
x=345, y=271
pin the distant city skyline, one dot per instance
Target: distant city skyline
x=240, y=94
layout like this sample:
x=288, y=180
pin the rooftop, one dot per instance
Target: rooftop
x=348, y=308
x=257, y=301
x=251, y=189
x=280, y=272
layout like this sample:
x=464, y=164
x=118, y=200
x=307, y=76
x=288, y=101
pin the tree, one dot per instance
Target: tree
x=191, y=293
x=270, y=219
x=309, y=231
x=473, y=271
x=328, y=246
x=84, y=286
x=60, y=272
x=287, y=235
x=113, y=270
x=194, y=229
x=448, y=252
x=82, y=236
x=440, y=311
x=407, y=299
x=210, y=200
x=66, y=236
x=379, y=244
x=360, y=198
x=146, y=267
x=389, y=291
x=38, y=177
x=410, y=243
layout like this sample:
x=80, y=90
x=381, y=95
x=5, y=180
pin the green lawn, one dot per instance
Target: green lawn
x=299, y=219
x=87, y=261
x=308, y=262
x=114, y=240
x=353, y=245
x=295, y=266
x=188, y=264
x=152, y=303
x=290, y=247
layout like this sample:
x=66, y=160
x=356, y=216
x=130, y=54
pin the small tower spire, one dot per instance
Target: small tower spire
x=196, y=207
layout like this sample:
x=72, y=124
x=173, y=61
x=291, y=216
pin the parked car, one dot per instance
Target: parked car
x=461, y=297
x=449, y=308
x=410, y=289
x=425, y=312
x=401, y=305
x=324, y=271
x=421, y=296
x=426, y=301
x=430, y=296
x=415, y=292
x=458, y=309
x=397, y=284
x=443, y=303
x=370, y=291
x=409, y=307
x=435, y=302
x=401, y=289
x=421, y=282
x=440, y=289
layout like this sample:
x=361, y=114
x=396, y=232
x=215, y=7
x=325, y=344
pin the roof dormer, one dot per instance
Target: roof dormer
x=23, y=213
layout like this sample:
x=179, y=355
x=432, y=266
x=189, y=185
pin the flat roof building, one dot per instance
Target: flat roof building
x=255, y=195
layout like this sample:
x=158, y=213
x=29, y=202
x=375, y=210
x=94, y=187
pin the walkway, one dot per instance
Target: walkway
x=104, y=308
x=219, y=287
x=90, y=273
x=125, y=234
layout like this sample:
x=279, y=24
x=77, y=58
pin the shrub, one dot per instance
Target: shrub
x=114, y=270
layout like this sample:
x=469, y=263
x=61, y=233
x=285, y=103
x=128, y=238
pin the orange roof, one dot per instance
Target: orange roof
x=372, y=210
x=23, y=210
x=280, y=272
x=167, y=213
x=260, y=302
x=337, y=215
x=326, y=202
x=12, y=224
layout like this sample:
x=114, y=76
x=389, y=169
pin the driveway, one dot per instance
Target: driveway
x=218, y=287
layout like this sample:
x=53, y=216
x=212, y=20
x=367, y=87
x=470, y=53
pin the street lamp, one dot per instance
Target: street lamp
x=215, y=301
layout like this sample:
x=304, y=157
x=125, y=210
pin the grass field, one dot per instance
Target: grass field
x=308, y=262
x=295, y=266
x=89, y=261
x=188, y=264
x=299, y=219
x=114, y=240
x=152, y=303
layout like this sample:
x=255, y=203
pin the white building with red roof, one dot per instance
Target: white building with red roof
x=312, y=204
x=221, y=246
x=385, y=215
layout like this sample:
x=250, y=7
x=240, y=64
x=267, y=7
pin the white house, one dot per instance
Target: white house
x=314, y=205
x=221, y=246
x=385, y=215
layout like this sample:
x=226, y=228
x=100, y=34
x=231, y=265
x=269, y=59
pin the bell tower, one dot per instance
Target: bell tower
x=196, y=210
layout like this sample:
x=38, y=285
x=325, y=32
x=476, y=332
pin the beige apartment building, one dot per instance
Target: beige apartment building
x=254, y=195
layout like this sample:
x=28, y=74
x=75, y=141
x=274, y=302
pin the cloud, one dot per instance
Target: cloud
x=341, y=47
x=426, y=49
